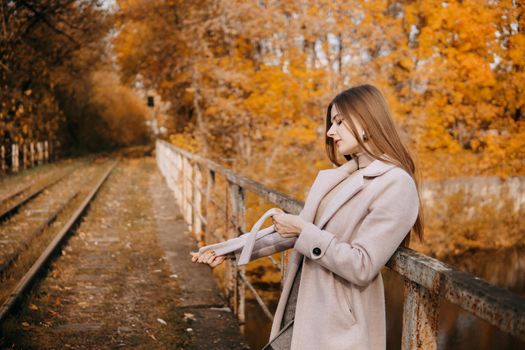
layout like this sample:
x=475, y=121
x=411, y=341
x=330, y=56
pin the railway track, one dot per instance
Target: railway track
x=42, y=216
x=10, y=203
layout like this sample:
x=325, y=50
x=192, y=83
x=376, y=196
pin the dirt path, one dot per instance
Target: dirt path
x=125, y=279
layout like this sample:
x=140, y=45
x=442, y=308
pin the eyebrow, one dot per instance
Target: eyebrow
x=332, y=118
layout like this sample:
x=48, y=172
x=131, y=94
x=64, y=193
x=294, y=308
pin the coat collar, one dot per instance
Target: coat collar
x=329, y=178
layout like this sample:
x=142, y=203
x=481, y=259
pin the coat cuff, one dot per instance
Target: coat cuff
x=313, y=242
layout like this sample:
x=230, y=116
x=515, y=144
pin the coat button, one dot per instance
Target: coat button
x=317, y=251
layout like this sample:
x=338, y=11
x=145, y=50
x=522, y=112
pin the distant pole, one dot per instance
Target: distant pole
x=153, y=120
x=151, y=101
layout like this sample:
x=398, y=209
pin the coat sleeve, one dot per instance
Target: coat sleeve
x=272, y=242
x=268, y=245
x=390, y=217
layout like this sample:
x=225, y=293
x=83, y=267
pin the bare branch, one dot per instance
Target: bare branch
x=40, y=15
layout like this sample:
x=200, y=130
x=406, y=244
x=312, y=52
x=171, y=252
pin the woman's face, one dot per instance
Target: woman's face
x=340, y=131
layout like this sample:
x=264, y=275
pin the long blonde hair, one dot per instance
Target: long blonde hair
x=368, y=106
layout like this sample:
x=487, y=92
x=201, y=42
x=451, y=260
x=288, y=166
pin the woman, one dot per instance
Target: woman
x=354, y=218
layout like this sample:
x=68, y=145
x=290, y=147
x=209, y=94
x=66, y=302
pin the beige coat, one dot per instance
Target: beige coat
x=340, y=303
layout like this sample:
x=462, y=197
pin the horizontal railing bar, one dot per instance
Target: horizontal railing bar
x=498, y=306
x=257, y=297
x=280, y=199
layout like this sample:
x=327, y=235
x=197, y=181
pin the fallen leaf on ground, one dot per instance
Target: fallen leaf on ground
x=189, y=316
x=47, y=323
x=52, y=313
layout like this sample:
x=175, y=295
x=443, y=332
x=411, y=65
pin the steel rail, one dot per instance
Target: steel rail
x=25, y=243
x=37, y=266
x=10, y=209
x=16, y=193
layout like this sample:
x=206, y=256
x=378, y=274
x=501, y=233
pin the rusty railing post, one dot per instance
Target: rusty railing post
x=210, y=185
x=420, y=318
x=197, y=199
x=39, y=152
x=25, y=158
x=235, y=287
x=188, y=194
x=46, y=152
x=14, y=157
x=32, y=153
x=178, y=180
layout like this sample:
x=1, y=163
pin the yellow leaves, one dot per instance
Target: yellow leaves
x=184, y=141
x=301, y=136
x=517, y=49
x=433, y=59
x=475, y=144
x=212, y=110
x=169, y=85
x=313, y=10
x=406, y=63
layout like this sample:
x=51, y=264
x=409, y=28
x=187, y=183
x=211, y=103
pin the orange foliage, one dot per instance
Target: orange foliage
x=252, y=79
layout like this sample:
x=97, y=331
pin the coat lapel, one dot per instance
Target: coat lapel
x=346, y=192
x=325, y=181
x=328, y=179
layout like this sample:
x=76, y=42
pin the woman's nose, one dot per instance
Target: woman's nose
x=330, y=132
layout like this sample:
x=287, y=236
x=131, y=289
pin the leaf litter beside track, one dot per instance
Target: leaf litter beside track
x=125, y=300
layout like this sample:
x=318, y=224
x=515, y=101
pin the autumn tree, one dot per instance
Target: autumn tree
x=49, y=54
x=248, y=81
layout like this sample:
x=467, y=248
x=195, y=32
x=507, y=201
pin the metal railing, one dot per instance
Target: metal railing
x=425, y=279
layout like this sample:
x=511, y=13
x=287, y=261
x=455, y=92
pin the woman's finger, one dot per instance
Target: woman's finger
x=287, y=235
x=207, y=257
x=210, y=258
x=213, y=263
x=194, y=256
x=217, y=261
x=203, y=257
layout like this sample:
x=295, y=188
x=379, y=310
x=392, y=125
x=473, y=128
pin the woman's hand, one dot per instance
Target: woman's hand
x=288, y=225
x=208, y=257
